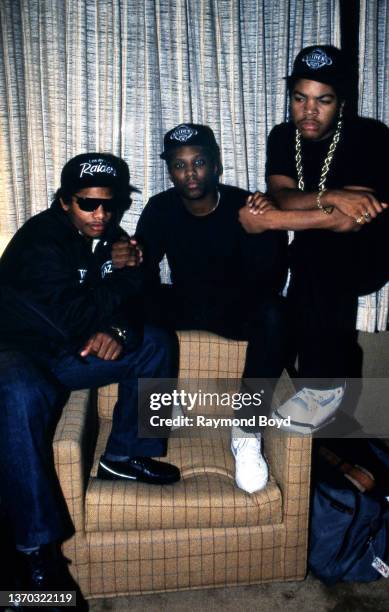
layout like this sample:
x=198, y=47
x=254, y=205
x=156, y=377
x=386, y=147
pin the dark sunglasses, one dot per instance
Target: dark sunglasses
x=91, y=204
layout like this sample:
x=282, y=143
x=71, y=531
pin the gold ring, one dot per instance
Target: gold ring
x=359, y=219
x=366, y=215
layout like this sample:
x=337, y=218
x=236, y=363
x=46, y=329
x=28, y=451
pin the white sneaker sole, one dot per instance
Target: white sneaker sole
x=298, y=426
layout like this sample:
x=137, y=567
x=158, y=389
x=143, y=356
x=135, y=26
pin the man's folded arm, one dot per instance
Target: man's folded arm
x=352, y=200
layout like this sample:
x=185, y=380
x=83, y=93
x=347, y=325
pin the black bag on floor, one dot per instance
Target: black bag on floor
x=349, y=532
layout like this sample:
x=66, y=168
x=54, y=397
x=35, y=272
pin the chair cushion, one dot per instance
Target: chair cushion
x=206, y=496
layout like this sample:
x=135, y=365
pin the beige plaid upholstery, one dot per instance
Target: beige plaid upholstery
x=202, y=356
x=205, y=497
x=202, y=531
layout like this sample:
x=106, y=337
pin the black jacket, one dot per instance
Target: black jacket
x=54, y=287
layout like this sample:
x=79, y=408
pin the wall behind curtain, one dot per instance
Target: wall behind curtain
x=374, y=59
x=114, y=75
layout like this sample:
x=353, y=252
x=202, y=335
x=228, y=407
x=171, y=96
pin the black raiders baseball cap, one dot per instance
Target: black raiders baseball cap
x=323, y=63
x=96, y=170
x=189, y=134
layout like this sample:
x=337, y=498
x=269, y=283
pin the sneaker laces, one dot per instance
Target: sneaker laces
x=309, y=399
x=305, y=400
x=324, y=396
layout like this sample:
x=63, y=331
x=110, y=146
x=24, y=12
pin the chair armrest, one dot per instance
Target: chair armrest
x=73, y=447
x=289, y=455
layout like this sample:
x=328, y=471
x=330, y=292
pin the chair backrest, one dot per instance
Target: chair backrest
x=207, y=361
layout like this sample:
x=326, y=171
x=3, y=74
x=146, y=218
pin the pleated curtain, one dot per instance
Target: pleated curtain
x=374, y=102
x=115, y=75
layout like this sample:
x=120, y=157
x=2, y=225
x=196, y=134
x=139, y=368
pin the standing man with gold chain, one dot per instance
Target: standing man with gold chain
x=327, y=180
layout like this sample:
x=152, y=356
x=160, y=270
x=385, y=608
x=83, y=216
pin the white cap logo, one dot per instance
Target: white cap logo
x=96, y=166
x=317, y=59
x=182, y=133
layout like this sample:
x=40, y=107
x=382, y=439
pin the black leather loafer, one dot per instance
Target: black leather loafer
x=46, y=569
x=143, y=469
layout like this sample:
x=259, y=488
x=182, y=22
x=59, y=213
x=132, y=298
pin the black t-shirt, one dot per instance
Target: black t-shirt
x=354, y=261
x=210, y=256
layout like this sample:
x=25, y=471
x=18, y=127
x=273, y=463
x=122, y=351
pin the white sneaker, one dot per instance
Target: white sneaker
x=310, y=409
x=251, y=470
x=177, y=415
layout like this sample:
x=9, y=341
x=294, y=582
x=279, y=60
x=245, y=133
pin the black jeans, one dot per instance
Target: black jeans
x=32, y=395
x=322, y=334
x=261, y=322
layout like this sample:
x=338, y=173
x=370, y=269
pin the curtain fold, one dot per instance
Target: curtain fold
x=373, y=102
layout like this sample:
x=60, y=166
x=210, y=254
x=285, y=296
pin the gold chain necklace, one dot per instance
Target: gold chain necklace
x=327, y=162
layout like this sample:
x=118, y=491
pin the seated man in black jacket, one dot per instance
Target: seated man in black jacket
x=68, y=322
x=223, y=280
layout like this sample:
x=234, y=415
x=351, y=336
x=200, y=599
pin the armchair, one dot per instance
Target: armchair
x=200, y=532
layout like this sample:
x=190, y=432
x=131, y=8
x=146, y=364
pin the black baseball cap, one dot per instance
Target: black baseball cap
x=323, y=63
x=96, y=170
x=189, y=134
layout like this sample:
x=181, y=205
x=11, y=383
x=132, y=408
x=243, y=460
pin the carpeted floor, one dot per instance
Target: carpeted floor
x=310, y=595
